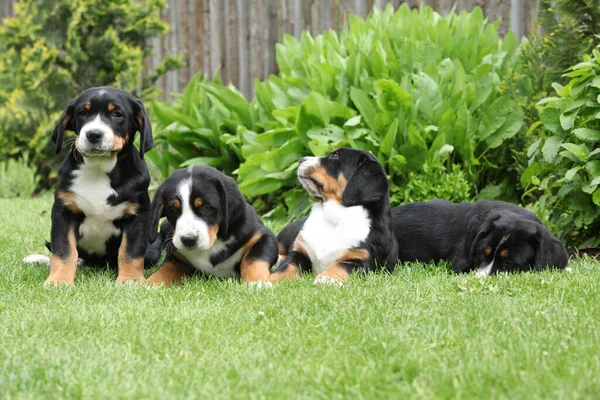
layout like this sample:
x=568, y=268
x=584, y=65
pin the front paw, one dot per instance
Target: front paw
x=323, y=279
x=259, y=284
x=127, y=280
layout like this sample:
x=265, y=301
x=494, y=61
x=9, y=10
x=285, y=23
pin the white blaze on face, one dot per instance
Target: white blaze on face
x=485, y=270
x=105, y=144
x=188, y=223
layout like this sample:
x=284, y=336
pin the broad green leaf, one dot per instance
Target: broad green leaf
x=577, y=150
x=596, y=197
x=353, y=121
x=587, y=134
x=211, y=161
x=233, y=100
x=570, y=174
x=550, y=148
x=387, y=145
x=391, y=96
x=364, y=105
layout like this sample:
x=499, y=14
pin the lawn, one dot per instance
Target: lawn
x=421, y=332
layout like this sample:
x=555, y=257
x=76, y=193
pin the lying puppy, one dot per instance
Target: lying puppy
x=210, y=229
x=486, y=237
x=101, y=204
x=350, y=228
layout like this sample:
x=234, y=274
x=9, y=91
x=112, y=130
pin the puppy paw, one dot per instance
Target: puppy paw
x=328, y=280
x=259, y=284
x=50, y=282
x=129, y=280
x=37, y=259
x=569, y=270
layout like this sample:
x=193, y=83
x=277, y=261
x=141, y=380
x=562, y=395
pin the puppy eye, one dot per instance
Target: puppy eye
x=117, y=114
x=334, y=155
x=83, y=112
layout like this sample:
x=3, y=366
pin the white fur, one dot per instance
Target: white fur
x=303, y=168
x=327, y=280
x=91, y=186
x=486, y=269
x=105, y=145
x=188, y=222
x=330, y=230
x=45, y=260
x=260, y=285
x=200, y=259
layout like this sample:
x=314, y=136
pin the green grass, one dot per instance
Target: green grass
x=421, y=332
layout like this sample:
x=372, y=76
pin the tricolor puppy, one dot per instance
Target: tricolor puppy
x=486, y=237
x=101, y=204
x=210, y=229
x=349, y=228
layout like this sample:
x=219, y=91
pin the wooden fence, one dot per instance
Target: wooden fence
x=238, y=37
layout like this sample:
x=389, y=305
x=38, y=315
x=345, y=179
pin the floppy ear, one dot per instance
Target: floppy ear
x=368, y=184
x=479, y=225
x=233, y=205
x=157, y=211
x=64, y=123
x=143, y=125
x=550, y=252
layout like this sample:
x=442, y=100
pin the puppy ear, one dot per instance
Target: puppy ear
x=479, y=225
x=233, y=205
x=157, y=211
x=65, y=123
x=368, y=184
x=550, y=252
x=143, y=125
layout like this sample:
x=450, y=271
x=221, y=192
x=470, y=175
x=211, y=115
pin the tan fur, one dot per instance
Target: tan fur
x=176, y=205
x=331, y=188
x=129, y=269
x=334, y=271
x=111, y=106
x=87, y=106
x=168, y=274
x=212, y=234
x=354, y=254
x=254, y=271
x=198, y=202
x=504, y=253
x=282, y=250
x=62, y=270
x=487, y=251
x=298, y=246
x=68, y=199
x=292, y=272
x=119, y=142
x=131, y=209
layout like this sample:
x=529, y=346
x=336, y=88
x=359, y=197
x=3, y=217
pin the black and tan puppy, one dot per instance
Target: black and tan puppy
x=485, y=237
x=210, y=229
x=349, y=228
x=101, y=204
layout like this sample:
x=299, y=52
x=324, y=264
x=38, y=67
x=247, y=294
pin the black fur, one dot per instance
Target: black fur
x=460, y=233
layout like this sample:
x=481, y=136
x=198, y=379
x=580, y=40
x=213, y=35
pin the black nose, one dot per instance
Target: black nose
x=93, y=136
x=189, y=240
x=301, y=160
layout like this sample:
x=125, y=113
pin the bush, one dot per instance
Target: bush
x=53, y=50
x=565, y=160
x=420, y=91
x=17, y=178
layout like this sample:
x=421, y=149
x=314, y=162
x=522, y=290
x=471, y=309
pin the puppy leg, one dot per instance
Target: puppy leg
x=338, y=272
x=63, y=263
x=293, y=262
x=260, y=255
x=169, y=273
x=130, y=262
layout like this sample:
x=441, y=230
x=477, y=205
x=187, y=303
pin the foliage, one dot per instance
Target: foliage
x=565, y=160
x=434, y=183
x=414, y=88
x=53, y=50
x=17, y=178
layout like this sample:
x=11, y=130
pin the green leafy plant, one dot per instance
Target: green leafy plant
x=17, y=178
x=420, y=91
x=564, y=162
x=53, y=50
x=435, y=183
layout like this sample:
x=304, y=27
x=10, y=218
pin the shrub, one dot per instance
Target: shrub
x=565, y=160
x=53, y=50
x=420, y=91
x=17, y=178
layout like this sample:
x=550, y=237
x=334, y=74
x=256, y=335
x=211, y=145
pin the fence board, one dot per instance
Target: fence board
x=238, y=37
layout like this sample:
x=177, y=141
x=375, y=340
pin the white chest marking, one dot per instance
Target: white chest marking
x=200, y=259
x=485, y=270
x=91, y=187
x=330, y=230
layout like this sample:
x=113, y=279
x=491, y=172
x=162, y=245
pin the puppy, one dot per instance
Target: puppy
x=101, y=203
x=210, y=229
x=349, y=228
x=486, y=237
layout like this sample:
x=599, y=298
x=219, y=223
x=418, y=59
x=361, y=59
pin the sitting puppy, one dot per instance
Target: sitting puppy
x=210, y=228
x=101, y=204
x=350, y=227
x=486, y=237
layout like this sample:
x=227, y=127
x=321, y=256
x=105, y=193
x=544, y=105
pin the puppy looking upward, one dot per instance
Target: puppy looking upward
x=349, y=228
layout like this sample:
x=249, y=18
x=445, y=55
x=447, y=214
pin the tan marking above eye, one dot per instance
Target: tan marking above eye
x=198, y=202
x=177, y=204
x=111, y=106
x=87, y=106
x=504, y=253
x=487, y=251
x=332, y=188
